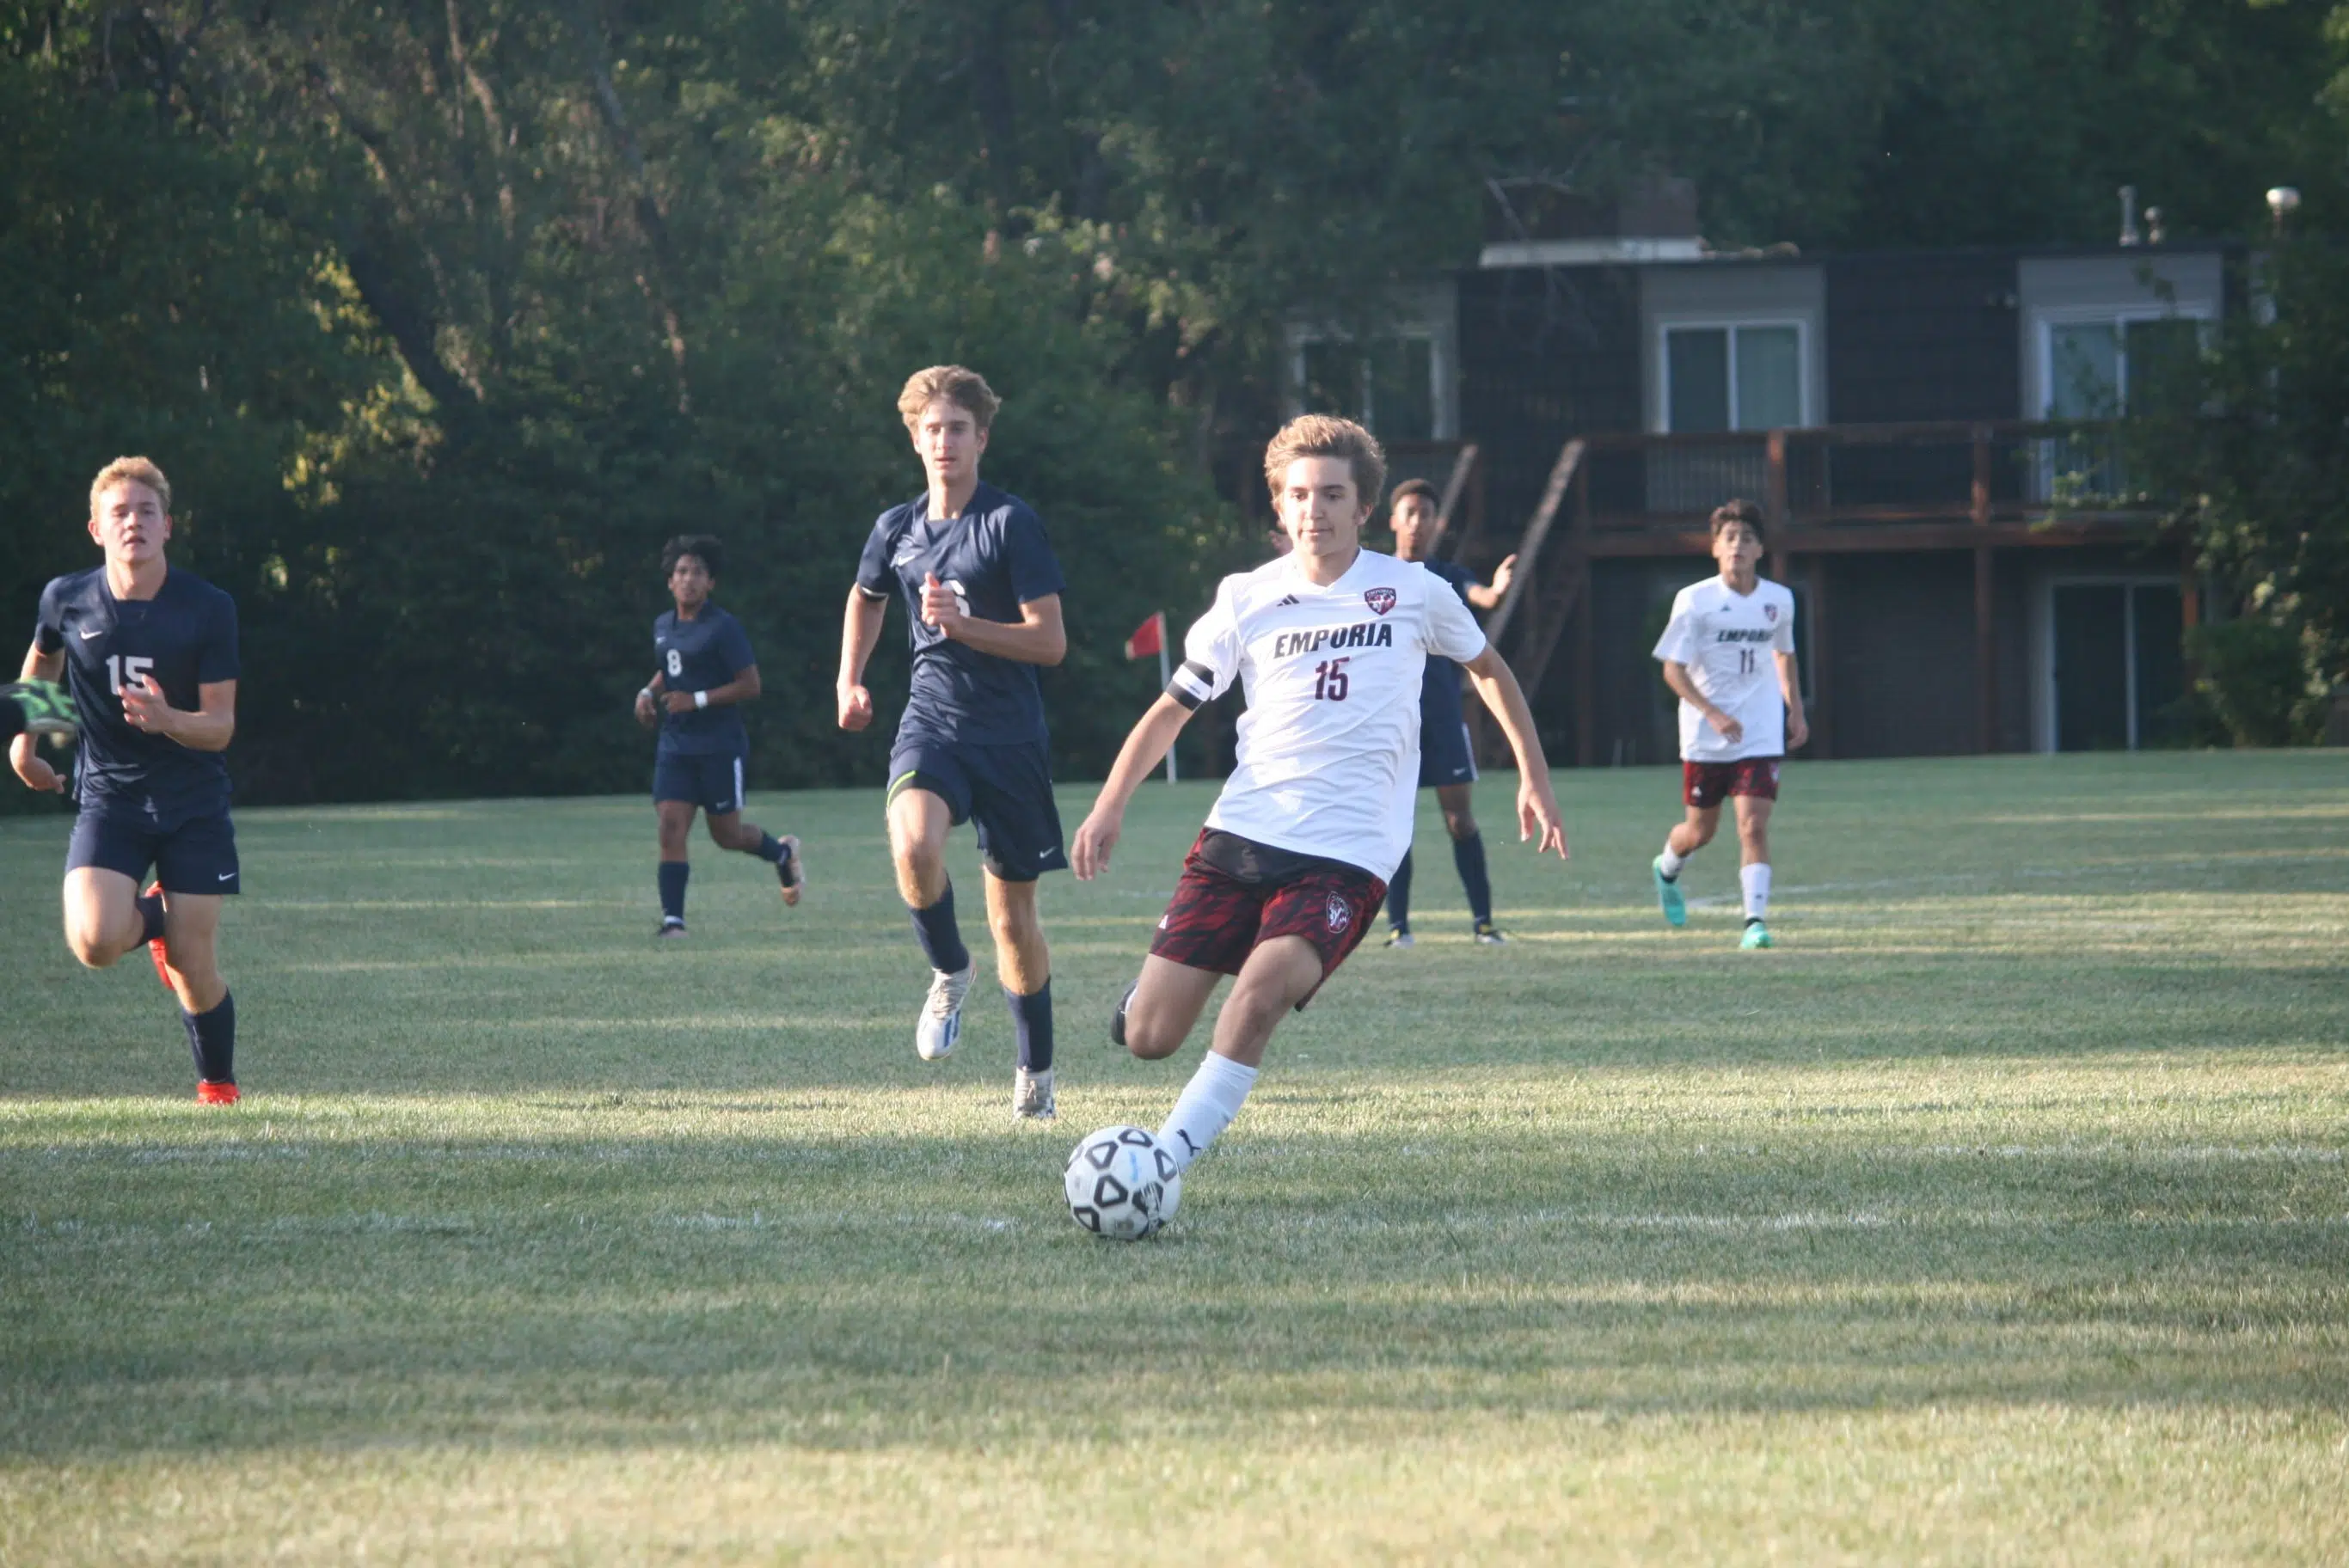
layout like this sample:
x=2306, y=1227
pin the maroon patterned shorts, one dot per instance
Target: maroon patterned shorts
x=1215, y=919
x=1711, y=783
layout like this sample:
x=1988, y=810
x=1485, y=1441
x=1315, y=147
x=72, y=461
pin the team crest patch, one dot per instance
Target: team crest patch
x=1770, y=612
x=1380, y=600
x=1340, y=912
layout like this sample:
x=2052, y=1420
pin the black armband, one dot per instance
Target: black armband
x=1192, y=683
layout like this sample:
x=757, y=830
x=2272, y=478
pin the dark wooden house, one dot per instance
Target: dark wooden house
x=1928, y=431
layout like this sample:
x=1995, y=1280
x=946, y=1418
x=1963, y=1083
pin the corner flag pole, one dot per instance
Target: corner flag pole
x=1150, y=638
x=1166, y=678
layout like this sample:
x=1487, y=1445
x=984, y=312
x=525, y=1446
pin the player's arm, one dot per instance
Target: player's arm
x=1146, y=748
x=860, y=634
x=27, y=764
x=1489, y=597
x=741, y=689
x=1036, y=638
x=1790, y=682
x=1684, y=685
x=208, y=726
x=1537, y=813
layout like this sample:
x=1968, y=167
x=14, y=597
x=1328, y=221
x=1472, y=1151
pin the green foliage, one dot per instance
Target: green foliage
x=442, y=315
x=2259, y=463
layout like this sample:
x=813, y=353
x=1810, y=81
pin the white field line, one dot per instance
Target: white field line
x=40, y=1229
x=2047, y=874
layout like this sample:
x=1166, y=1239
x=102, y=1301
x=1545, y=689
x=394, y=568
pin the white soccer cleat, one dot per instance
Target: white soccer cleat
x=1031, y=1094
x=939, y=1029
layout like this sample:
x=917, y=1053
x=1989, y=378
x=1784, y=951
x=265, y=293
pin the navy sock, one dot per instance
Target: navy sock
x=150, y=911
x=1031, y=1020
x=940, y=938
x=1399, y=895
x=211, y=1040
x=672, y=888
x=1468, y=854
x=770, y=849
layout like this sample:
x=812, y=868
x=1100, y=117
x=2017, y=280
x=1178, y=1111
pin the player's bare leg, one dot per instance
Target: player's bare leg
x=1162, y=1008
x=1688, y=836
x=919, y=822
x=1023, y=963
x=1754, y=865
x=192, y=949
x=675, y=823
x=102, y=917
x=1277, y=975
x=729, y=830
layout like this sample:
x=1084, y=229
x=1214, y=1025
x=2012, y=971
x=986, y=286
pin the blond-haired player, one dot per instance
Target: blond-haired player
x=1728, y=654
x=150, y=655
x=982, y=592
x=1329, y=641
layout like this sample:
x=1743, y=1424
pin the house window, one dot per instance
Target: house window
x=2102, y=369
x=2099, y=365
x=1733, y=376
x=1391, y=386
x=2116, y=669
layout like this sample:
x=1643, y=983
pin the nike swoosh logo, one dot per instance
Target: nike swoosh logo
x=94, y=632
x=906, y=559
x=228, y=876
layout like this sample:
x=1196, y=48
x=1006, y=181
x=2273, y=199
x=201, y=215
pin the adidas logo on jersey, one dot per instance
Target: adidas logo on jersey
x=1286, y=600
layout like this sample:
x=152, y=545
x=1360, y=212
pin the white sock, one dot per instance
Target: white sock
x=1669, y=862
x=1207, y=1104
x=1756, y=881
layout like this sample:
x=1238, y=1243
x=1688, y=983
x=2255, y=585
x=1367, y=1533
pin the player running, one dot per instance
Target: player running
x=1739, y=716
x=1329, y=643
x=150, y=655
x=1447, y=762
x=982, y=592
x=695, y=698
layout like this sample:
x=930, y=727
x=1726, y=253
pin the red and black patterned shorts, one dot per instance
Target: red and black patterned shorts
x=1711, y=783
x=1215, y=920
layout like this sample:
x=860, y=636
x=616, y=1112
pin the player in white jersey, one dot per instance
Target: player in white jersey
x=1329, y=641
x=1728, y=654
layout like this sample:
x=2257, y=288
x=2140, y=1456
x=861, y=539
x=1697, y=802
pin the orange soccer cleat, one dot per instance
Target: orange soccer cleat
x=210, y=1093
x=155, y=949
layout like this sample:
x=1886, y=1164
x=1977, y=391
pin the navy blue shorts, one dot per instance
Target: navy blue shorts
x=198, y=855
x=710, y=780
x=1005, y=790
x=1445, y=755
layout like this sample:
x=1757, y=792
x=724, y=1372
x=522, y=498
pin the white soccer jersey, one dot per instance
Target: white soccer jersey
x=1329, y=747
x=1726, y=640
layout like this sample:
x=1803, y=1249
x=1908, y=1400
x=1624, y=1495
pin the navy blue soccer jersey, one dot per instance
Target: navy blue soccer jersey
x=184, y=638
x=1439, y=684
x=707, y=651
x=995, y=557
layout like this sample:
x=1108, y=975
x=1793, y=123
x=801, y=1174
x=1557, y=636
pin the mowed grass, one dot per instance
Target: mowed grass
x=1998, y=1216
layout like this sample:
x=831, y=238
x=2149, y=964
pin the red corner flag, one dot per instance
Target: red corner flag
x=1148, y=638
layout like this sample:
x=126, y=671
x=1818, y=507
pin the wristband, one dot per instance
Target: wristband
x=701, y=699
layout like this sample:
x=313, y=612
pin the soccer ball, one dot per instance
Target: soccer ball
x=1122, y=1184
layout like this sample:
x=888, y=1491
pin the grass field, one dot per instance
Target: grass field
x=1998, y=1216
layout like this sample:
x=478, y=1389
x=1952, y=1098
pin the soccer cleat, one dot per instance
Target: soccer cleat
x=1668, y=895
x=221, y=1093
x=788, y=872
x=1031, y=1094
x=1401, y=938
x=1490, y=935
x=1757, y=935
x=671, y=928
x=939, y=1029
x=157, y=949
x=43, y=708
x=1117, y=1019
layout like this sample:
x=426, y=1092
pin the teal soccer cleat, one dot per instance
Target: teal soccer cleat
x=1757, y=935
x=1668, y=895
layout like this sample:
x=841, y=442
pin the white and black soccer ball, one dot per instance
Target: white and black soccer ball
x=1122, y=1184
